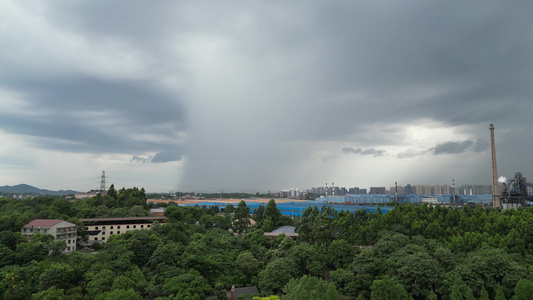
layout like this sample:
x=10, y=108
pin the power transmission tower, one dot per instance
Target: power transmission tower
x=103, y=190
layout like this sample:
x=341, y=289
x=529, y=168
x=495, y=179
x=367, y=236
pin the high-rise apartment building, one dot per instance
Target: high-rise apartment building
x=378, y=190
x=353, y=191
x=437, y=189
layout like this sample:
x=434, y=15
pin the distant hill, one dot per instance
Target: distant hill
x=28, y=189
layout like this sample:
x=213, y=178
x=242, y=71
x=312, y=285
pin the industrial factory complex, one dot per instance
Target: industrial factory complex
x=515, y=193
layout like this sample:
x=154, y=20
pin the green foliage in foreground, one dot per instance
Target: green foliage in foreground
x=412, y=252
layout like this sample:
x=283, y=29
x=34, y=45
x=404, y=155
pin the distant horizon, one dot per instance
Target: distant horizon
x=227, y=191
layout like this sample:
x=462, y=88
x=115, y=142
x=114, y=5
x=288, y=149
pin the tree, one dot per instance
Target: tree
x=344, y=281
x=119, y=294
x=484, y=295
x=433, y=296
x=8, y=239
x=137, y=211
x=340, y=254
x=308, y=287
x=311, y=259
x=499, y=295
x=111, y=192
x=523, y=290
x=7, y=257
x=419, y=273
x=99, y=282
x=488, y=267
x=469, y=295
x=241, y=218
x=57, y=275
x=273, y=214
x=258, y=214
x=456, y=294
x=332, y=294
x=27, y=252
x=190, y=285
x=229, y=209
x=276, y=274
x=50, y=294
x=388, y=289
x=247, y=264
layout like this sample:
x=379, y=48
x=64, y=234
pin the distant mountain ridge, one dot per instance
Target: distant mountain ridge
x=28, y=189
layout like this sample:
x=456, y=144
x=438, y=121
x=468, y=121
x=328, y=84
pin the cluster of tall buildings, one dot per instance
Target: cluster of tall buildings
x=418, y=189
x=290, y=193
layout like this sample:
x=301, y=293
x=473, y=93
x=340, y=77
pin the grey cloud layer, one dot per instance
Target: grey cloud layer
x=90, y=115
x=460, y=147
x=452, y=147
x=370, y=151
x=277, y=73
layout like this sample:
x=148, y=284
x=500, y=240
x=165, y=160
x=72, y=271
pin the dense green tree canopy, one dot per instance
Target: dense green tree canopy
x=418, y=252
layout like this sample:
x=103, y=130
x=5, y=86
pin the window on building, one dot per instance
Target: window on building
x=118, y=232
x=103, y=227
x=148, y=225
x=68, y=241
x=118, y=227
x=134, y=226
x=103, y=238
x=127, y=226
x=111, y=232
x=68, y=248
x=96, y=238
x=111, y=227
x=96, y=228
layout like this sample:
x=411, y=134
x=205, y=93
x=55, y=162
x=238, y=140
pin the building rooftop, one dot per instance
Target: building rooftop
x=123, y=219
x=285, y=229
x=43, y=222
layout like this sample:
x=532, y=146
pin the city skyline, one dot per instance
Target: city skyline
x=260, y=96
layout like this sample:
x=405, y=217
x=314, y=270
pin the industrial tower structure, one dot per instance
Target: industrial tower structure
x=103, y=190
x=495, y=187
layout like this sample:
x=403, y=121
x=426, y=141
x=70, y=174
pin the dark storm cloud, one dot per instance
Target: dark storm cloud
x=456, y=63
x=97, y=116
x=167, y=156
x=459, y=63
x=453, y=147
x=460, y=147
x=141, y=159
x=370, y=151
x=411, y=153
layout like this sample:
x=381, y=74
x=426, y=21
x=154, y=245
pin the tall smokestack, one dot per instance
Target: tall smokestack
x=396, y=191
x=495, y=186
x=453, y=185
x=326, y=192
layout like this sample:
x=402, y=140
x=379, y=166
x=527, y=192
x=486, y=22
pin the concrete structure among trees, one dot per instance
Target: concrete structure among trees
x=61, y=231
x=100, y=229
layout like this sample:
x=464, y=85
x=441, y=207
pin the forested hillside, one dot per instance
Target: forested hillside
x=419, y=252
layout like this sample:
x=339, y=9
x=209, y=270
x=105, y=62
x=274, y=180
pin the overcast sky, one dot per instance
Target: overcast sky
x=263, y=95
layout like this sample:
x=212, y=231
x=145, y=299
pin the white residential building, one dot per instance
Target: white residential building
x=61, y=231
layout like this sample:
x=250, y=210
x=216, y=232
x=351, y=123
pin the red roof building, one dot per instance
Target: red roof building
x=61, y=231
